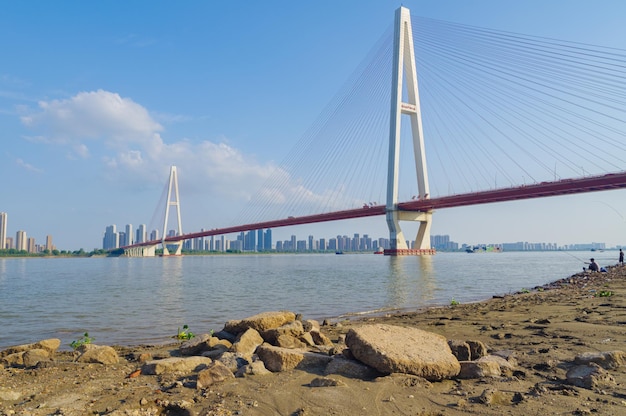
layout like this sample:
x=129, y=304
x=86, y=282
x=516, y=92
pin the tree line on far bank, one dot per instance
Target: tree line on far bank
x=11, y=252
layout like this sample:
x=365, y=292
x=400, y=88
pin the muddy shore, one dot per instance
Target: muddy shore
x=544, y=330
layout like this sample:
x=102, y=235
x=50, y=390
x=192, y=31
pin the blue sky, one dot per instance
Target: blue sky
x=97, y=99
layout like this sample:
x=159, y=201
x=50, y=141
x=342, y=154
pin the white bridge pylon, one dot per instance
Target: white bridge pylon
x=405, y=74
x=173, y=183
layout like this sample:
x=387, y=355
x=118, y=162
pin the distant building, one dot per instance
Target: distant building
x=49, y=245
x=111, y=238
x=20, y=240
x=30, y=245
x=3, y=230
x=128, y=241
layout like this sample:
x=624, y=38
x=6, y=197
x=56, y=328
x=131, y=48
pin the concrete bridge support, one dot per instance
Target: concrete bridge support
x=404, y=67
x=141, y=251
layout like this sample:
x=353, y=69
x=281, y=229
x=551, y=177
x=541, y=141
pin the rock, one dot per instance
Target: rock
x=215, y=352
x=307, y=339
x=325, y=382
x=477, y=349
x=35, y=356
x=320, y=339
x=256, y=368
x=506, y=367
x=287, y=341
x=99, y=354
x=196, y=345
x=233, y=361
x=9, y=395
x=225, y=335
x=589, y=376
x=247, y=342
x=496, y=397
x=350, y=368
x=460, y=349
x=509, y=355
x=281, y=359
x=479, y=369
x=292, y=329
x=394, y=349
x=311, y=325
x=50, y=345
x=14, y=360
x=175, y=364
x=215, y=372
x=261, y=322
x=606, y=360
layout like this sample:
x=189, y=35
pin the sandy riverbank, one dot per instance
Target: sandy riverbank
x=545, y=329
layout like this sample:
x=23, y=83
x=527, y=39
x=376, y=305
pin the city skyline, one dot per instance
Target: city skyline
x=262, y=240
x=93, y=135
x=21, y=241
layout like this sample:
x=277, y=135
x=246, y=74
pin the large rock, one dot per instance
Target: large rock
x=261, y=322
x=292, y=329
x=247, y=342
x=215, y=372
x=589, y=376
x=196, y=345
x=281, y=359
x=50, y=345
x=607, y=359
x=35, y=356
x=393, y=349
x=175, y=365
x=99, y=354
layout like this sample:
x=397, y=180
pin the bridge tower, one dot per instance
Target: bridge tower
x=405, y=75
x=173, y=182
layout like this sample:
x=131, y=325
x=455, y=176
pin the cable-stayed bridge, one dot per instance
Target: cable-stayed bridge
x=499, y=116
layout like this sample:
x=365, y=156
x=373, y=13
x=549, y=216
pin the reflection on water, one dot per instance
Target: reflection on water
x=411, y=280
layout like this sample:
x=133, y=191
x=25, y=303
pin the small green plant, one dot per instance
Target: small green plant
x=454, y=302
x=525, y=290
x=604, y=294
x=85, y=339
x=185, y=333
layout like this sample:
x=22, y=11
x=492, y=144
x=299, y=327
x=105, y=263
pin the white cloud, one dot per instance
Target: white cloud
x=134, y=152
x=96, y=115
x=28, y=166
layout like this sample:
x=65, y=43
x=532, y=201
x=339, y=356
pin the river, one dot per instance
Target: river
x=130, y=301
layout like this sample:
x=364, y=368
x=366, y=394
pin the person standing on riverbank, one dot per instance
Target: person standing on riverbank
x=621, y=257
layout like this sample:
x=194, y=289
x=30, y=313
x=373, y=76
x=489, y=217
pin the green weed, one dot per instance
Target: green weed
x=85, y=339
x=185, y=333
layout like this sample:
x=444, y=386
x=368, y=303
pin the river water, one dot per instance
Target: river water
x=130, y=301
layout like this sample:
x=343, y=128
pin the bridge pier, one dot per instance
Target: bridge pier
x=404, y=66
x=140, y=251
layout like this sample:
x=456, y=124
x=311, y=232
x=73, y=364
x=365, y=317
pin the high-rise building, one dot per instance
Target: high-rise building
x=154, y=235
x=30, y=245
x=260, y=241
x=111, y=238
x=3, y=230
x=20, y=240
x=129, y=235
x=142, y=234
x=49, y=245
x=267, y=240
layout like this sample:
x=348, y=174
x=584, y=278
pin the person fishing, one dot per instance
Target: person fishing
x=593, y=266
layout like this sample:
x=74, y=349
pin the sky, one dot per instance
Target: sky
x=98, y=99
